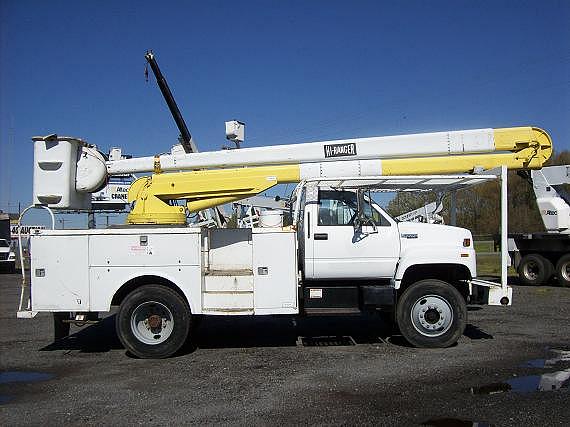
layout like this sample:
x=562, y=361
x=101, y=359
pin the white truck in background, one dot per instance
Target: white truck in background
x=539, y=257
x=7, y=256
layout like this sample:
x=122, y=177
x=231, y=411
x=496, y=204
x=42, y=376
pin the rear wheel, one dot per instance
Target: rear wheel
x=432, y=314
x=534, y=270
x=153, y=322
x=563, y=270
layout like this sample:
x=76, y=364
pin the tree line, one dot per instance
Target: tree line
x=478, y=207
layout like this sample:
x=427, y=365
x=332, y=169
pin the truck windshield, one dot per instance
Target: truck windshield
x=4, y=244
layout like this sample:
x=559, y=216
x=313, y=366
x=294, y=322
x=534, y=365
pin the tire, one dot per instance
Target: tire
x=535, y=270
x=60, y=328
x=431, y=314
x=153, y=322
x=12, y=268
x=563, y=270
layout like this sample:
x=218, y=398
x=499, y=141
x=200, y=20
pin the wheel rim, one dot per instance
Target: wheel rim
x=531, y=270
x=152, y=322
x=565, y=271
x=432, y=315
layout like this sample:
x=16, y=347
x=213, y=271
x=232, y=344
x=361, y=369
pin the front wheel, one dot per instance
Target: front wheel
x=431, y=314
x=153, y=322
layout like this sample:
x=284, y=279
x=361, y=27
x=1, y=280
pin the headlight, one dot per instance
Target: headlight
x=12, y=256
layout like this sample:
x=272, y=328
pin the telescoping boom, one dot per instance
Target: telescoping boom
x=233, y=175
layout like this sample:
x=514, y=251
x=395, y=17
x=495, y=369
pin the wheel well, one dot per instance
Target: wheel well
x=454, y=274
x=132, y=284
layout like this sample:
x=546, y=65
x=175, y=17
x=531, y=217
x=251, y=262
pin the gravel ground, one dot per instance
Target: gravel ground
x=257, y=371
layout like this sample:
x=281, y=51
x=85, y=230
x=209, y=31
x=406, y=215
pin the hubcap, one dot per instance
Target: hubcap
x=531, y=270
x=432, y=315
x=565, y=271
x=152, y=322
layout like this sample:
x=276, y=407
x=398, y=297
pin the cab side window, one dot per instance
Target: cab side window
x=340, y=208
x=336, y=207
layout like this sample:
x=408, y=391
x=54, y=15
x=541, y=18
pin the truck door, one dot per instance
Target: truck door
x=335, y=250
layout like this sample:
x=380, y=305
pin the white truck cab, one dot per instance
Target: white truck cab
x=341, y=242
x=7, y=256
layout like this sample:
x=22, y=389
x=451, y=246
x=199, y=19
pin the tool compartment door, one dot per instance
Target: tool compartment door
x=275, y=272
x=60, y=277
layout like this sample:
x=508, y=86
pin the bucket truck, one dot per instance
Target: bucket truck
x=538, y=257
x=342, y=255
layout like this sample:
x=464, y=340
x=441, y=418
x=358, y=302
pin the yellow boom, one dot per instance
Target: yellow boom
x=442, y=153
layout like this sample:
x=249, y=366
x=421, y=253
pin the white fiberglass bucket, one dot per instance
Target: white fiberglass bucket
x=270, y=218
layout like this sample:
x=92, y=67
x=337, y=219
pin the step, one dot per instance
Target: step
x=229, y=272
x=228, y=284
x=227, y=311
x=227, y=301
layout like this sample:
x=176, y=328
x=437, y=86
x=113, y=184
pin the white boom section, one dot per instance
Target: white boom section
x=399, y=146
x=554, y=208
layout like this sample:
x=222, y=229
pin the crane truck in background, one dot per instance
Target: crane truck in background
x=539, y=257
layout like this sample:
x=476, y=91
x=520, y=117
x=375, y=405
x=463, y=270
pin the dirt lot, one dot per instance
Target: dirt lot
x=257, y=371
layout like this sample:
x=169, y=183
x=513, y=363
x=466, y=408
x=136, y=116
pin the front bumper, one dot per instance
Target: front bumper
x=490, y=293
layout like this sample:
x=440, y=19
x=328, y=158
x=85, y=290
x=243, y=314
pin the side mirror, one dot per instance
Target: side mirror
x=362, y=223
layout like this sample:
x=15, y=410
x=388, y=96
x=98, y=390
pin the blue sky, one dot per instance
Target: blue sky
x=294, y=71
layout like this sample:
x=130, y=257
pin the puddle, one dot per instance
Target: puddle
x=23, y=377
x=559, y=380
x=454, y=422
x=555, y=356
x=326, y=341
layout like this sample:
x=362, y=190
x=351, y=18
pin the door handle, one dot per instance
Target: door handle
x=321, y=236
